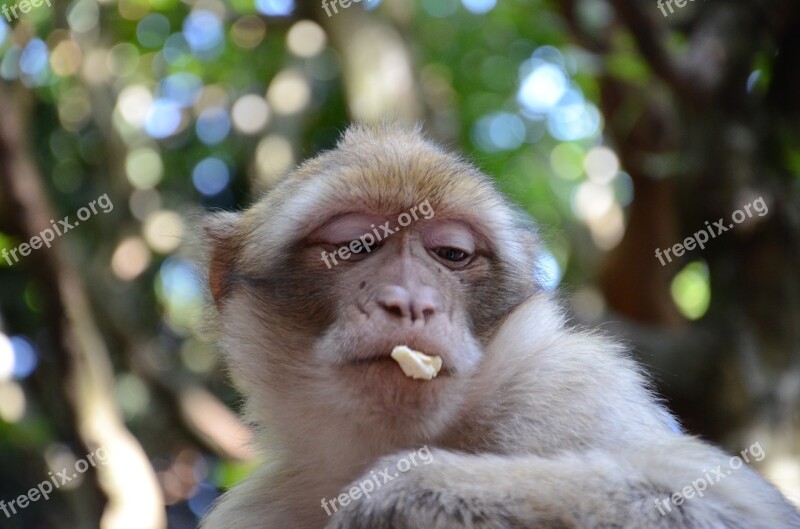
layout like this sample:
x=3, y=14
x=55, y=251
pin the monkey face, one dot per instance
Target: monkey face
x=411, y=288
x=372, y=245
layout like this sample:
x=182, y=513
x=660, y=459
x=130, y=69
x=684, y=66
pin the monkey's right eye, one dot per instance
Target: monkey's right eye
x=359, y=254
x=347, y=235
x=361, y=249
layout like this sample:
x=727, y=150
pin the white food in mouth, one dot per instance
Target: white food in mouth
x=415, y=364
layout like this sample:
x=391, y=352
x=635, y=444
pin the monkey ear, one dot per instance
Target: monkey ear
x=221, y=240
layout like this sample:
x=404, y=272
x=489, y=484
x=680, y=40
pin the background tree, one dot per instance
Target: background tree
x=619, y=127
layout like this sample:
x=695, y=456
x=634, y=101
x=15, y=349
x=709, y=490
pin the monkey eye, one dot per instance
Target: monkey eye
x=361, y=249
x=453, y=256
x=358, y=255
x=452, y=243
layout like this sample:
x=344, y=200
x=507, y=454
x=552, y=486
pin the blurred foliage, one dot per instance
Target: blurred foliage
x=172, y=108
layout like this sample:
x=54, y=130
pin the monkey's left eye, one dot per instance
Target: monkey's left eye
x=452, y=255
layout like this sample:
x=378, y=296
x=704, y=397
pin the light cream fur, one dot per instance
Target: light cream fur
x=546, y=426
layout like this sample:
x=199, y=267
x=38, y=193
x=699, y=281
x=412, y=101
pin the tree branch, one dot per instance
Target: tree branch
x=126, y=478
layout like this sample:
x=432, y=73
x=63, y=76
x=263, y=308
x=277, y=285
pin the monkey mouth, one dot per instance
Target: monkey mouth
x=390, y=363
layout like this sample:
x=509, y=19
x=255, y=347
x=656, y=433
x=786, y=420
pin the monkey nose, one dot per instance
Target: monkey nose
x=412, y=304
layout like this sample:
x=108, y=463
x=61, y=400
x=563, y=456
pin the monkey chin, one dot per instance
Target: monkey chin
x=380, y=393
x=363, y=383
x=376, y=389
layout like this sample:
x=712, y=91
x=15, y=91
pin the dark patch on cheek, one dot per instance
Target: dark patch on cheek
x=492, y=295
x=362, y=285
x=299, y=295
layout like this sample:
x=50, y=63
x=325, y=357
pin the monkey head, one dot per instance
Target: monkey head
x=385, y=240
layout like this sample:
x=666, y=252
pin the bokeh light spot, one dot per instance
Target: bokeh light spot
x=95, y=66
x=181, y=88
x=440, y=8
x=573, y=118
x=12, y=402
x=123, y=59
x=250, y=114
x=4, y=31
x=134, y=103
x=130, y=258
x=34, y=59
x=592, y=200
x=9, y=67
x=289, y=92
x=176, y=49
x=566, y=159
x=6, y=357
x=25, y=357
x=143, y=202
x=82, y=16
x=543, y=87
x=211, y=176
x=248, y=32
x=204, y=34
x=213, y=125
x=479, y=7
x=153, y=30
x=274, y=156
x=178, y=289
x=502, y=131
x=601, y=164
x=163, y=119
x=306, y=39
x=74, y=109
x=163, y=231
x=275, y=8
x=691, y=290
x=144, y=168
x=66, y=58
x=132, y=394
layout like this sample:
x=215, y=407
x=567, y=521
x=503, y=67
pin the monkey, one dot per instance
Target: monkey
x=532, y=422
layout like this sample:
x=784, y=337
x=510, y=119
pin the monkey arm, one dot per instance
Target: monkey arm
x=590, y=489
